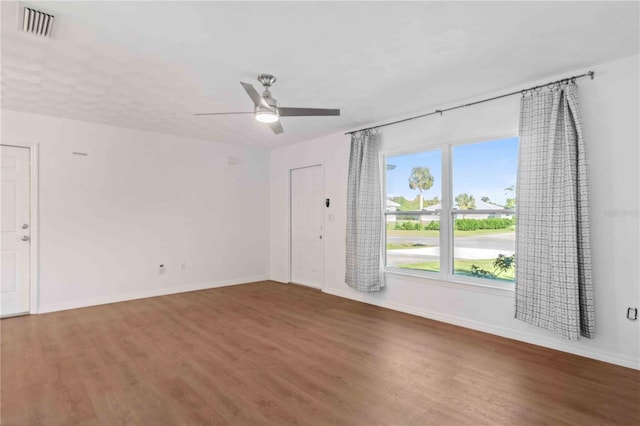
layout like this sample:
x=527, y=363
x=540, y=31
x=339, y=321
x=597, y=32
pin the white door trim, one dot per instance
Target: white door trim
x=34, y=279
x=290, y=243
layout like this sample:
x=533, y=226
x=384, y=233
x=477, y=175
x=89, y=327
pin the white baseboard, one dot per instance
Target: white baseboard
x=144, y=294
x=624, y=361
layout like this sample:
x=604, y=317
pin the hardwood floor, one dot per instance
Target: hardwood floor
x=269, y=353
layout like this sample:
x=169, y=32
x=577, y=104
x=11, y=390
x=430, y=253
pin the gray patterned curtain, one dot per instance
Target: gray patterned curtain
x=365, y=219
x=554, y=288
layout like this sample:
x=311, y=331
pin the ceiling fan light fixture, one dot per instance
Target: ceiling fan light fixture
x=267, y=116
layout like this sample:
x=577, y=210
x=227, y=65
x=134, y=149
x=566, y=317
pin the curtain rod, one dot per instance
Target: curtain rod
x=440, y=111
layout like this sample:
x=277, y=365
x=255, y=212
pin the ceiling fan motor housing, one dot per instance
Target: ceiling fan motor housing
x=262, y=108
x=272, y=110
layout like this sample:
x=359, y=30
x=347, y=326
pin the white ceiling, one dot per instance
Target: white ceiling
x=151, y=65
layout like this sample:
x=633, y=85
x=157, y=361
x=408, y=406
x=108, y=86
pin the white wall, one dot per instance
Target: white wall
x=138, y=200
x=610, y=111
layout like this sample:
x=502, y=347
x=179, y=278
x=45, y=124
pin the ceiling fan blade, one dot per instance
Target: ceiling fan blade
x=254, y=95
x=301, y=112
x=276, y=127
x=221, y=113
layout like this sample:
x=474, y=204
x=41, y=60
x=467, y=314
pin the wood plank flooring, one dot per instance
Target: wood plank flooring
x=269, y=353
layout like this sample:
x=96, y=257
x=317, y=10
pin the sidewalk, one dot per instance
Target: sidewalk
x=459, y=253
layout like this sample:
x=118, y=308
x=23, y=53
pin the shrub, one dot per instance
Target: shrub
x=432, y=226
x=460, y=224
x=488, y=223
x=403, y=226
x=467, y=224
x=407, y=226
x=501, y=265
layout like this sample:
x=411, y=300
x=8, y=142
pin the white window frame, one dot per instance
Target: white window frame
x=446, y=216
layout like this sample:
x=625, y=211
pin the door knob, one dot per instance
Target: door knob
x=320, y=236
x=25, y=238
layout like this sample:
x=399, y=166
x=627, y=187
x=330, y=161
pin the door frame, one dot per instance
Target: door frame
x=290, y=231
x=34, y=277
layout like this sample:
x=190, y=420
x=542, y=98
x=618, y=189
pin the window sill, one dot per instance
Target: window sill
x=451, y=282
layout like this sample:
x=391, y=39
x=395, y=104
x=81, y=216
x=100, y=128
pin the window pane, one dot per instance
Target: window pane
x=484, y=178
x=414, y=183
x=414, y=244
x=484, y=174
x=484, y=246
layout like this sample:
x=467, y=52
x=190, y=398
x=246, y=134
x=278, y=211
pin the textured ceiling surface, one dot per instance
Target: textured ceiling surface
x=151, y=65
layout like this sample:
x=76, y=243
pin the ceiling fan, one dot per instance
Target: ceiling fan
x=266, y=109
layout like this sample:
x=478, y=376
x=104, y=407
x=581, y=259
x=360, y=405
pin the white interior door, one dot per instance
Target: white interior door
x=307, y=203
x=16, y=230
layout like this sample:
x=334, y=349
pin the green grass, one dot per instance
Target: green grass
x=481, y=232
x=461, y=267
x=402, y=233
x=422, y=266
x=457, y=234
x=397, y=246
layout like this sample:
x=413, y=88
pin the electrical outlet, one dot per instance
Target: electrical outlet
x=632, y=314
x=161, y=269
x=183, y=266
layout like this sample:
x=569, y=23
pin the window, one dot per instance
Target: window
x=450, y=211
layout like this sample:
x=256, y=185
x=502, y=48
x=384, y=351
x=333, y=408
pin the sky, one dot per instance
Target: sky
x=479, y=169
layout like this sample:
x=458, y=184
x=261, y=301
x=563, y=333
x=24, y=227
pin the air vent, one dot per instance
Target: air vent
x=37, y=22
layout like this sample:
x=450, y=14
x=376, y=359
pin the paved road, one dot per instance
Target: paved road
x=477, y=247
x=504, y=241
